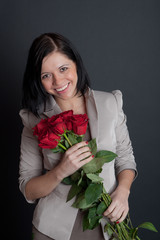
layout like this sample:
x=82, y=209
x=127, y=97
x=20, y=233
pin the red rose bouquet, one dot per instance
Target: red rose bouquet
x=59, y=133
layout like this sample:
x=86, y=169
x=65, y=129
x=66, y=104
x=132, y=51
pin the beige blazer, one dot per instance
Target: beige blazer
x=53, y=216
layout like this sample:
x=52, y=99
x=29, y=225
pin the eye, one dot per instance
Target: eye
x=62, y=69
x=46, y=76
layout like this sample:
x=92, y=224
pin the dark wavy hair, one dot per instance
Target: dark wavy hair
x=33, y=92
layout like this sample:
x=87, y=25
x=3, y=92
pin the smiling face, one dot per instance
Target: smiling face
x=59, y=76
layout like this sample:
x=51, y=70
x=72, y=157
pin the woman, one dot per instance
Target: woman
x=55, y=80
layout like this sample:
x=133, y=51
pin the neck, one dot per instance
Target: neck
x=77, y=104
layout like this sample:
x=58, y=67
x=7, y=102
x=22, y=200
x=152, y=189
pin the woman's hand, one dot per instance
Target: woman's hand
x=74, y=158
x=119, y=207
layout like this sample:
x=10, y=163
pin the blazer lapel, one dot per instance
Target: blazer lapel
x=51, y=107
x=92, y=113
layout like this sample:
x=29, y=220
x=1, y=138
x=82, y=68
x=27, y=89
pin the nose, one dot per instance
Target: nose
x=57, y=79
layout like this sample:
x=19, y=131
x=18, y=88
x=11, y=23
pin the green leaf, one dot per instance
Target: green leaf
x=101, y=208
x=80, y=138
x=80, y=202
x=99, y=171
x=57, y=150
x=72, y=138
x=85, y=222
x=149, y=226
x=93, y=166
x=76, y=176
x=92, y=212
x=96, y=163
x=93, y=192
x=67, y=181
x=93, y=146
x=94, y=177
x=80, y=181
x=66, y=144
x=74, y=190
x=108, y=155
x=94, y=222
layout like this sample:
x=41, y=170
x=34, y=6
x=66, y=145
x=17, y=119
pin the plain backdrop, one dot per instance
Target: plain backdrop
x=119, y=42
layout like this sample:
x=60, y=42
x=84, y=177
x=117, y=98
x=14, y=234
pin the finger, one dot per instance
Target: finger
x=123, y=216
x=109, y=210
x=82, y=150
x=116, y=216
x=84, y=156
x=77, y=146
x=85, y=161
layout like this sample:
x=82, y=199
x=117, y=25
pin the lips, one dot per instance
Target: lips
x=62, y=88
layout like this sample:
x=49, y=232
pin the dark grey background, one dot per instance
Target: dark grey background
x=119, y=42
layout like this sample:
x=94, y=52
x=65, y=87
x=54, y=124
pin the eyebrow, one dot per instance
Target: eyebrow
x=64, y=65
x=67, y=64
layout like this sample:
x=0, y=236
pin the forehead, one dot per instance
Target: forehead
x=56, y=59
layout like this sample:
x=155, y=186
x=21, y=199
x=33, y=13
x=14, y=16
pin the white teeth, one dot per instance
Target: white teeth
x=61, y=89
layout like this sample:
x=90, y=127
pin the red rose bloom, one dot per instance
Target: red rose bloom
x=49, y=140
x=50, y=130
x=57, y=125
x=41, y=128
x=61, y=122
x=66, y=114
x=67, y=118
x=79, y=123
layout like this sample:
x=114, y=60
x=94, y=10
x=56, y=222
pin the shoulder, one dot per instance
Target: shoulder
x=107, y=94
x=29, y=120
x=114, y=97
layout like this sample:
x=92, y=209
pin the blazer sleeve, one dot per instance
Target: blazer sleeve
x=124, y=150
x=30, y=154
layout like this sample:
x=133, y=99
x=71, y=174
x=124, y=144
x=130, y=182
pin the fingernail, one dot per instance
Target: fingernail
x=117, y=222
x=86, y=142
x=93, y=156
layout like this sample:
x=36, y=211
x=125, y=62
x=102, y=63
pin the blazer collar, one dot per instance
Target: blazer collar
x=51, y=108
x=92, y=113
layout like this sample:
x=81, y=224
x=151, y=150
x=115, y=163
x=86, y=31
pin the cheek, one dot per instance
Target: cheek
x=73, y=76
x=46, y=86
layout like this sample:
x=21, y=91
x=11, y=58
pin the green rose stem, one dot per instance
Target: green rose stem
x=61, y=145
x=67, y=139
x=130, y=220
x=119, y=232
x=138, y=238
x=116, y=234
x=123, y=230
